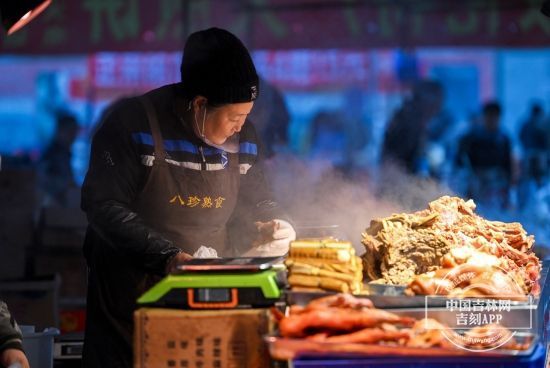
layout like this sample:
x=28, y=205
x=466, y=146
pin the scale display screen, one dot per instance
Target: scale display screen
x=214, y=295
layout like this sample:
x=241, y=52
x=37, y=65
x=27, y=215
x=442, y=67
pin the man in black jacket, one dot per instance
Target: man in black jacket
x=171, y=171
x=11, y=348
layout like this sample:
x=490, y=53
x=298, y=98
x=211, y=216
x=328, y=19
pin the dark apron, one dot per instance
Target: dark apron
x=190, y=208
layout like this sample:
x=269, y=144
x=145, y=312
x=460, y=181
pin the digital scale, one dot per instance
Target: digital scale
x=220, y=283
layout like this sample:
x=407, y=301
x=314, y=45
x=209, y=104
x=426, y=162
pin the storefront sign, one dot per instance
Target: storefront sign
x=89, y=26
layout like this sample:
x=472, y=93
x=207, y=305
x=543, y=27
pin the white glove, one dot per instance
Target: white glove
x=280, y=244
x=205, y=252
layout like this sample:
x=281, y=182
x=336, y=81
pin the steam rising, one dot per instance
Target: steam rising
x=316, y=194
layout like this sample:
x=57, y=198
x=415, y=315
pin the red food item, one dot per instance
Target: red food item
x=369, y=336
x=336, y=319
x=339, y=301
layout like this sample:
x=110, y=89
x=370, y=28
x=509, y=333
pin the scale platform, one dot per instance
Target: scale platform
x=220, y=283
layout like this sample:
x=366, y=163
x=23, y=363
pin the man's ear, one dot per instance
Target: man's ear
x=199, y=102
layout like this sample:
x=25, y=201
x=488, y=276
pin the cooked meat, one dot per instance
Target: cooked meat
x=337, y=319
x=366, y=336
x=468, y=280
x=403, y=251
x=343, y=319
x=446, y=234
x=344, y=301
x=493, y=336
x=429, y=333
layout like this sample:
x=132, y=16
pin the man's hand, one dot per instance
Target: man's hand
x=274, y=237
x=14, y=358
x=177, y=259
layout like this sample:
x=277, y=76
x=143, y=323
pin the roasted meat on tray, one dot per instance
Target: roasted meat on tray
x=420, y=249
x=345, y=319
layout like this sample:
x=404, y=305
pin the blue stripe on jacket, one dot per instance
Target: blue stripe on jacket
x=180, y=145
x=169, y=145
x=186, y=146
x=247, y=147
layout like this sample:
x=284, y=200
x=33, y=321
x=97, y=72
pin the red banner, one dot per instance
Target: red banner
x=89, y=26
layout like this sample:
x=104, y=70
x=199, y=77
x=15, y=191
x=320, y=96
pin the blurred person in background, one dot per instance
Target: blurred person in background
x=55, y=168
x=442, y=133
x=534, y=145
x=406, y=140
x=270, y=117
x=11, y=341
x=361, y=136
x=335, y=140
x=486, y=151
x=170, y=172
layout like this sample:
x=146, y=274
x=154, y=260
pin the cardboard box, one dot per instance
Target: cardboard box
x=208, y=339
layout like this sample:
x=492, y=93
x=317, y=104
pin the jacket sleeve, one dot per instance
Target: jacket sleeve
x=255, y=202
x=10, y=335
x=113, y=182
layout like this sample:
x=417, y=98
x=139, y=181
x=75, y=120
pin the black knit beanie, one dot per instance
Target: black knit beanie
x=217, y=65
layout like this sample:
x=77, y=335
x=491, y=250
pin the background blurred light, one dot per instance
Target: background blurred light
x=16, y=14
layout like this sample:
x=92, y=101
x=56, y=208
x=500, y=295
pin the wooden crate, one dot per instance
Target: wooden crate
x=166, y=338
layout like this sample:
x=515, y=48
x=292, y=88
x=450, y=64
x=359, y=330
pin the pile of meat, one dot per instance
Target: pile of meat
x=342, y=318
x=420, y=249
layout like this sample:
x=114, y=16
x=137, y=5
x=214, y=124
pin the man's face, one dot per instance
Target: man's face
x=222, y=122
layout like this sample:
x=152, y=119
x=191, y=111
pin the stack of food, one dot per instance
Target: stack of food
x=324, y=264
x=422, y=249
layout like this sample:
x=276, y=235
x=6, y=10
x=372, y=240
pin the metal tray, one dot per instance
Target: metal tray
x=524, y=322
x=288, y=349
x=385, y=301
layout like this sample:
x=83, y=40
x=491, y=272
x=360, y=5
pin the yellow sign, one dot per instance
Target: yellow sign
x=194, y=201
